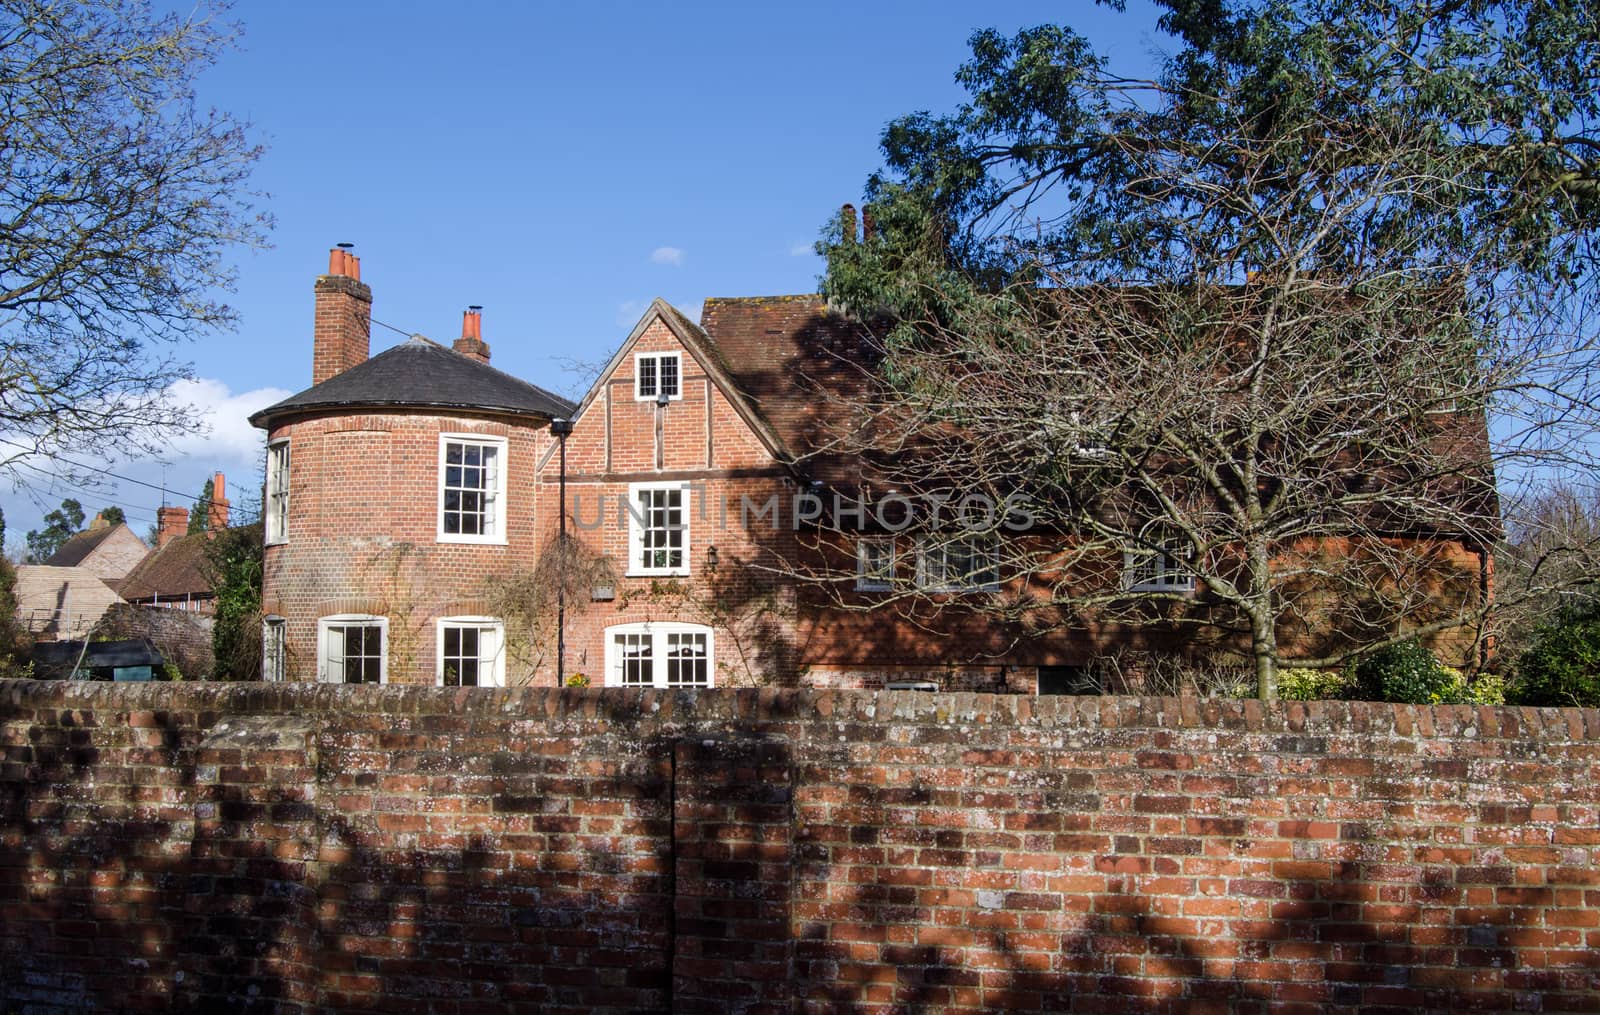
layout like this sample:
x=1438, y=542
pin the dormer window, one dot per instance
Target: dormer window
x=656, y=374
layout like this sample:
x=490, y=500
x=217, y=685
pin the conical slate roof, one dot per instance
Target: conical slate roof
x=420, y=374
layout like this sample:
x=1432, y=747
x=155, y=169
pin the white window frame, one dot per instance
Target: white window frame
x=930, y=579
x=352, y=620
x=274, y=648
x=658, y=633
x=638, y=378
x=636, y=530
x=1165, y=576
x=494, y=668
x=496, y=508
x=866, y=579
x=275, y=523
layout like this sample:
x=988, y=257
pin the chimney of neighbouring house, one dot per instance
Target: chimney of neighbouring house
x=99, y=522
x=342, y=332
x=171, y=523
x=847, y=219
x=217, y=510
x=867, y=225
x=471, y=342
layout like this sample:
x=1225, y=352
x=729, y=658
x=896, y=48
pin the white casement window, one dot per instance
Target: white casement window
x=273, y=647
x=472, y=489
x=657, y=373
x=471, y=652
x=968, y=563
x=665, y=654
x=875, y=563
x=1158, y=568
x=352, y=649
x=277, y=506
x=658, y=529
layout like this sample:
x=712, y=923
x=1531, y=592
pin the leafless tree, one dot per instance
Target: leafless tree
x=120, y=197
x=1279, y=413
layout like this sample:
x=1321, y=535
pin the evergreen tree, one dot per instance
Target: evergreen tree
x=59, y=526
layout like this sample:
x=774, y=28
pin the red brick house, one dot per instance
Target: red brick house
x=405, y=490
x=398, y=487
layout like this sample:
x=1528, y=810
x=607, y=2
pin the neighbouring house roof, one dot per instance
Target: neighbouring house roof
x=61, y=601
x=110, y=551
x=77, y=547
x=171, y=572
x=420, y=374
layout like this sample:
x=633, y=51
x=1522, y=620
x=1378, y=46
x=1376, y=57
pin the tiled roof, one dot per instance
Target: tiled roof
x=798, y=363
x=172, y=572
x=77, y=547
x=419, y=373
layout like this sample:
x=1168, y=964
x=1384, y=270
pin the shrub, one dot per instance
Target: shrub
x=1300, y=684
x=1486, y=689
x=577, y=680
x=1562, y=665
x=1407, y=672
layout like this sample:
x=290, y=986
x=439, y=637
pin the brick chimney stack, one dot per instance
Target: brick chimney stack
x=171, y=523
x=217, y=510
x=342, y=332
x=847, y=217
x=99, y=522
x=471, y=342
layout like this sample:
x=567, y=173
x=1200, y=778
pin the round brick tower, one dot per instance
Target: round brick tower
x=399, y=488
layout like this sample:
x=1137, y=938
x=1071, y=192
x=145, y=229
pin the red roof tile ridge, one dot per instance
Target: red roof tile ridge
x=792, y=298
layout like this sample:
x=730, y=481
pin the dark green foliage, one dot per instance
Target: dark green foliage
x=59, y=526
x=114, y=515
x=1407, y=672
x=1562, y=665
x=233, y=564
x=14, y=641
x=201, y=515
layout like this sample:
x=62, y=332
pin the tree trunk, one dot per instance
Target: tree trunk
x=1263, y=627
x=1264, y=644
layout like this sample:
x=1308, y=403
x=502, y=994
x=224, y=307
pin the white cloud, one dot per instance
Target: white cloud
x=802, y=250
x=226, y=433
x=667, y=255
x=221, y=441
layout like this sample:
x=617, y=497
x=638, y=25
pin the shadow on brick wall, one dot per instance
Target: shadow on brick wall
x=603, y=851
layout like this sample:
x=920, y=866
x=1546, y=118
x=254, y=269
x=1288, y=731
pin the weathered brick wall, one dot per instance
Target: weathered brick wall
x=284, y=848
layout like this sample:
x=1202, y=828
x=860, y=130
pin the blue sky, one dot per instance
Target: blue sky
x=560, y=164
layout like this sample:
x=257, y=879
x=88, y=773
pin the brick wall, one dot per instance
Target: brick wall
x=704, y=443
x=283, y=848
x=363, y=532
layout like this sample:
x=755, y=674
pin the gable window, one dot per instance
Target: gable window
x=273, y=647
x=959, y=564
x=875, y=563
x=472, y=489
x=277, y=506
x=1158, y=568
x=658, y=529
x=471, y=652
x=657, y=373
x=352, y=649
x=659, y=655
